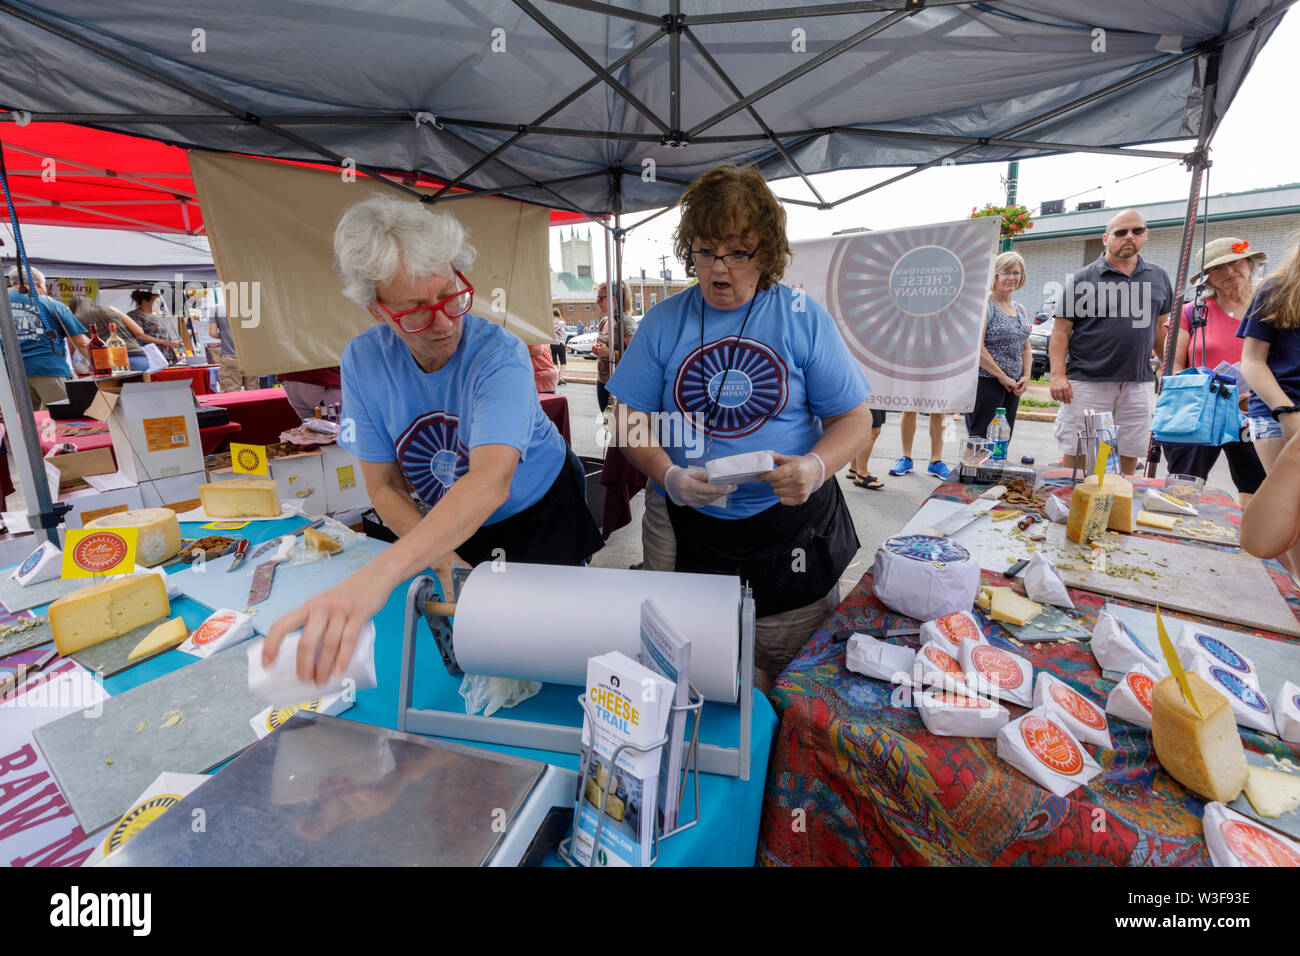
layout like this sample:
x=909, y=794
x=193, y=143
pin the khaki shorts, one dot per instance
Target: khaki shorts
x=44, y=389
x=1131, y=404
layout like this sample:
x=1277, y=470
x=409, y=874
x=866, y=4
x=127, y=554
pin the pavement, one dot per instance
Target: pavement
x=876, y=514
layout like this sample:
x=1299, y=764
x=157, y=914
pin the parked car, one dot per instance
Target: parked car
x=569, y=332
x=1039, y=334
x=582, y=344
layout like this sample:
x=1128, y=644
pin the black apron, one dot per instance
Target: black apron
x=557, y=529
x=761, y=549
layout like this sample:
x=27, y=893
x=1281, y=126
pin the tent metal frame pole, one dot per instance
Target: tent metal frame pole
x=1198, y=163
x=16, y=404
x=122, y=177
x=825, y=10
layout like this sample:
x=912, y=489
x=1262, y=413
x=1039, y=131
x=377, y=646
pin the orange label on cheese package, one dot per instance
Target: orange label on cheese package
x=1142, y=687
x=960, y=700
x=1078, y=706
x=957, y=628
x=1256, y=847
x=1051, y=745
x=945, y=662
x=998, y=666
x=213, y=628
x=164, y=434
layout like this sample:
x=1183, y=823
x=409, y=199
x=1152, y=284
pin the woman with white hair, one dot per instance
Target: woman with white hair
x=1006, y=359
x=444, y=400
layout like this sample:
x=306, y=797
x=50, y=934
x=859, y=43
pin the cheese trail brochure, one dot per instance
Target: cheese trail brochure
x=626, y=703
x=667, y=653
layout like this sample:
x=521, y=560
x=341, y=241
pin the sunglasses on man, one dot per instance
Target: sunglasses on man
x=1136, y=230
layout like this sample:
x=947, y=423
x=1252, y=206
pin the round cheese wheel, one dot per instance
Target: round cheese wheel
x=159, y=533
x=925, y=577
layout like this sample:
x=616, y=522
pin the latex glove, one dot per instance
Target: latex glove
x=689, y=487
x=331, y=623
x=795, y=477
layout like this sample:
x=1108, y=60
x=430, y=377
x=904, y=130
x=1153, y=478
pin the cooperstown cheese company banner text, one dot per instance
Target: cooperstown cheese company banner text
x=910, y=303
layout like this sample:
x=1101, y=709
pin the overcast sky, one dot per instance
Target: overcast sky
x=1257, y=145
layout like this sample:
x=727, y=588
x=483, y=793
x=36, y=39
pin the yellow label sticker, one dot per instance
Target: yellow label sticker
x=248, y=459
x=165, y=434
x=223, y=525
x=92, y=552
x=347, y=479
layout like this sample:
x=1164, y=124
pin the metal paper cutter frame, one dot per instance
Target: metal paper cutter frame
x=726, y=761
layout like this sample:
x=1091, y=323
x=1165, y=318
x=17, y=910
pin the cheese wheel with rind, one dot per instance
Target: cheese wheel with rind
x=1201, y=751
x=241, y=498
x=158, y=533
x=102, y=612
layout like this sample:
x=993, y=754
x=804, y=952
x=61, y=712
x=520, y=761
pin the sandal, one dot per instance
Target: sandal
x=853, y=476
x=871, y=482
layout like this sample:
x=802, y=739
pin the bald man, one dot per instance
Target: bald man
x=1104, y=339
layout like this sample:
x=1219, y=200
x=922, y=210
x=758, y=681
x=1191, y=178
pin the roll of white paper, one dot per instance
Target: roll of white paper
x=542, y=622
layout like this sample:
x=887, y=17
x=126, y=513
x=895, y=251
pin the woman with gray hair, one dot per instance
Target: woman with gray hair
x=442, y=400
x=1005, y=356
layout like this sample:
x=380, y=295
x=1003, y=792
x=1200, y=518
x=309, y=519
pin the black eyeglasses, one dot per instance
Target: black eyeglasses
x=1136, y=230
x=732, y=260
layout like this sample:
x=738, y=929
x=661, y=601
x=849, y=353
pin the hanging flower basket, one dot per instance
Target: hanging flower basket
x=1015, y=219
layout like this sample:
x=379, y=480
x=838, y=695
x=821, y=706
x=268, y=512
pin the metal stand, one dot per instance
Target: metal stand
x=712, y=758
x=690, y=765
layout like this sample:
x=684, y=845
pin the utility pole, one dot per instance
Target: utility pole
x=663, y=274
x=1013, y=173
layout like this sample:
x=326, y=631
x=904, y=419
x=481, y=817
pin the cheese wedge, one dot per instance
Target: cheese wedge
x=158, y=533
x=1271, y=792
x=1204, y=752
x=1008, y=606
x=1121, y=512
x=1090, y=508
x=320, y=541
x=104, y=611
x=164, y=636
x=241, y=498
x=1153, y=520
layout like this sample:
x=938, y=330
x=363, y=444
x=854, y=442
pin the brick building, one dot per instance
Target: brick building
x=1058, y=244
x=573, y=289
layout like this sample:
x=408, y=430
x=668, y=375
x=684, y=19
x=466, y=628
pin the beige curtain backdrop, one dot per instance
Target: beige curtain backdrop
x=273, y=224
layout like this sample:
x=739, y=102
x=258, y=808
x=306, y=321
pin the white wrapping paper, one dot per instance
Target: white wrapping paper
x=1191, y=646
x=1249, y=706
x=43, y=564
x=939, y=668
x=1042, y=748
x=1286, y=712
x=952, y=630
x=1234, y=839
x=996, y=673
x=1130, y=699
x=870, y=657
x=949, y=714
x=1076, y=710
x=1118, y=649
x=1043, y=584
x=1155, y=501
x=1056, y=509
x=272, y=718
x=924, y=577
x=542, y=622
x=735, y=469
x=279, y=684
x=223, y=628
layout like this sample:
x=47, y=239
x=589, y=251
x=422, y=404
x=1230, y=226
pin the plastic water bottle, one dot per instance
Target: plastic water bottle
x=999, y=435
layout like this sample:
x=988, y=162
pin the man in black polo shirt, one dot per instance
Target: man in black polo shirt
x=1102, y=343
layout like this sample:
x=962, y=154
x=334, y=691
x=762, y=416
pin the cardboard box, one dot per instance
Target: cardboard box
x=299, y=478
x=345, y=490
x=154, y=429
x=90, y=504
x=71, y=470
x=180, y=490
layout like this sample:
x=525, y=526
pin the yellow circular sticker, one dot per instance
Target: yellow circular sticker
x=139, y=817
x=279, y=715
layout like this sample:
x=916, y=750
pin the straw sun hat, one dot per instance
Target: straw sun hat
x=1228, y=249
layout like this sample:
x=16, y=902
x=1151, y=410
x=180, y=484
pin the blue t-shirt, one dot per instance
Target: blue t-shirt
x=428, y=421
x=38, y=357
x=1283, y=352
x=790, y=370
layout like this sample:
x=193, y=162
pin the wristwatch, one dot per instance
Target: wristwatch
x=1283, y=410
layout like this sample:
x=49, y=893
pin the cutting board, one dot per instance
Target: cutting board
x=215, y=588
x=110, y=657
x=1041, y=628
x=15, y=597
x=1190, y=527
x=1289, y=822
x=102, y=758
x=33, y=637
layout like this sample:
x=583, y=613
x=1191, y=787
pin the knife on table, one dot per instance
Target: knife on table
x=11, y=682
x=241, y=551
x=263, y=548
x=264, y=573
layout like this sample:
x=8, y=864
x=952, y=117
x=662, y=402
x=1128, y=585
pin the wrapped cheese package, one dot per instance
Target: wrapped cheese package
x=1155, y=500
x=1132, y=696
x=925, y=577
x=950, y=714
x=1043, y=582
x=1192, y=646
x=1056, y=509
x=1040, y=747
x=1080, y=715
x=1234, y=839
x=43, y=564
x=996, y=673
x=272, y=718
x=279, y=684
x=870, y=657
x=1286, y=714
x=1249, y=706
x=736, y=469
x=939, y=668
x=952, y=630
x=1118, y=649
x=223, y=628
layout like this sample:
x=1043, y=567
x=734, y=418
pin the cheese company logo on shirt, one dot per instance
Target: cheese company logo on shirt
x=1077, y=706
x=1256, y=847
x=1142, y=687
x=945, y=662
x=431, y=455
x=998, y=666
x=213, y=628
x=99, y=552
x=1223, y=652
x=1051, y=745
x=1239, y=689
x=957, y=628
x=754, y=390
x=139, y=817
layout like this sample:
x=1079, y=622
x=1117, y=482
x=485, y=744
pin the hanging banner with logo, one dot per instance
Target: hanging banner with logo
x=99, y=551
x=910, y=303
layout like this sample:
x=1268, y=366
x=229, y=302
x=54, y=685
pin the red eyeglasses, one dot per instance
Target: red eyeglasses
x=453, y=307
